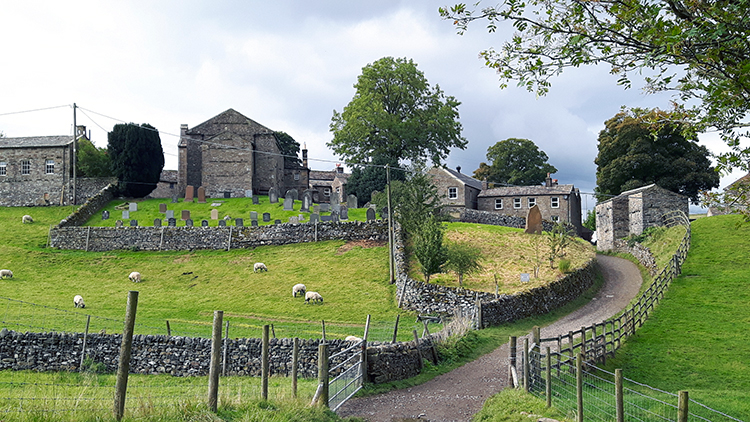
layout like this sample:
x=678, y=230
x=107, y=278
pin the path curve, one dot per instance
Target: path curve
x=459, y=394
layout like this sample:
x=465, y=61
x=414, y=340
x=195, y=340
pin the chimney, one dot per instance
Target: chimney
x=458, y=169
x=304, y=155
x=80, y=131
x=554, y=182
x=484, y=184
x=339, y=169
x=548, y=181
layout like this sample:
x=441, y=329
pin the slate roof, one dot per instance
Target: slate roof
x=466, y=180
x=36, y=142
x=320, y=178
x=231, y=121
x=528, y=191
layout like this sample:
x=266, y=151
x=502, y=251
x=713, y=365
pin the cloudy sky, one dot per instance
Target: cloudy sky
x=286, y=65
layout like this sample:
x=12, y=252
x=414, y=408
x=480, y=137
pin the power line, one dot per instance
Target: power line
x=31, y=111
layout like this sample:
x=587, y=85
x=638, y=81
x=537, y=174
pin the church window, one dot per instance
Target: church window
x=25, y=167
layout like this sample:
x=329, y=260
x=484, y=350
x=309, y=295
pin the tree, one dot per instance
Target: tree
x=289, y=148
x=91, y=161
x=558, y=240
x=696, y=49
x=137, y=158
x=413, y=200
x=590, y=221
x=428, y=246
x=366, y=179
x=639, y=147
x=516, y=162
x=395, y=113
x=463, y=259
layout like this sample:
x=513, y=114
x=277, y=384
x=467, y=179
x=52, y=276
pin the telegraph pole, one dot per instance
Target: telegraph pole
x=75, y=149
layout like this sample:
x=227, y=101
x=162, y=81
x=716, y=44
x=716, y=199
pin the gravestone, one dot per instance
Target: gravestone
x=293, y=220
x=335, y=199
x=351, y=201
x=534, y=221
x=293, y=194
x=239, y=222
x=253, y=215
x=189, y=192
x=384, y=212
x=118, y=223
x=266, y=217
x=214, y=214
x=125, y=215
x=170, y=214
x=325, y=218
x=132, y=206
x=288, y=204
x=185, y=215
x=133, y=223
x=370, y=214
x=314, y=218
x=157, y=222
x=171, y=222
x=276, y=221
x=273, y=196
x=306, y=201
x=325, y=207
x=201, y=195
x=253, y=223
x=162, y=208
x=216, y=204
x=222, y=223
x=336, y=207
x=249, y=193
x=256, y=200
x=188, y=223
x=204, y=223
x=344, y=213
x=105, y=215
x=316, y=209
x=175, y=199
x=335, y=216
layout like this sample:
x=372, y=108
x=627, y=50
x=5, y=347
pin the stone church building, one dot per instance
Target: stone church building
x=230, y=154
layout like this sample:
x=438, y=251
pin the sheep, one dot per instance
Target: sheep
x=135, y=277
x=259, y=266
x=313, y=296
x=227, y=218
x=299, y=288
x=6, y=274
x=353, y=338
x=78, y=301
x=27, y=219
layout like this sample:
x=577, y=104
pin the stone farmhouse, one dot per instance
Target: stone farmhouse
x=36, y=170
x=456, y=189
x=633, y=211
x=322, y=183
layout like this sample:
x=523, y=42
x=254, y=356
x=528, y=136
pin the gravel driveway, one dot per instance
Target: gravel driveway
x=459, y=394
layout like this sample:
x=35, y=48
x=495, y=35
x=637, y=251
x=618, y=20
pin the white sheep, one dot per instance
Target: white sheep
x=353, y=338
x=6, y=274
x=27, y=219
x=78, y=301
x=298, y=288
x=259, y=266
x=227, y=218
x=135, y=277
x=313, y=296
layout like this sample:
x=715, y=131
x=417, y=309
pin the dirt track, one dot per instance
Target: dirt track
x=459, y=394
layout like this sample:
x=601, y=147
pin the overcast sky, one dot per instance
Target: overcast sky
x=286, y=65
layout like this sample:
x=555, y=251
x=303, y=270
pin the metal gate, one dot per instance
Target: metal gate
x=349, y=373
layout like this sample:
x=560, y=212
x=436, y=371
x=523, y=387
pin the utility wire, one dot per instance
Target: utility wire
x=31, y=111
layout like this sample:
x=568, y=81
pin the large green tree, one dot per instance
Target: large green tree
x=516, y=162
x=413, y=200
x=289, y=148
x=395, y=113
x=635, y=153
x=91, y=161
x=366, y=179
x=697, y=49
x=137, y=158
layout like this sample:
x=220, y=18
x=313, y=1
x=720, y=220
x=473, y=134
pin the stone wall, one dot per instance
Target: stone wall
x=88, y=187
x=396, y=361
x=640, y=252
x=185, y=238
x=497, y=219
x=88, y=209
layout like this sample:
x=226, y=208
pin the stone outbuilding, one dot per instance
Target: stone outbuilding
x=167, y=186
x=633, y=211
x=322, y=183
x=457, y=190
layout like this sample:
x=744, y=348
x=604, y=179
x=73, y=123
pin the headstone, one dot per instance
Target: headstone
x=253, y=223
x=239, y=222
x=273, y=196
x=201, y=195
x=214, y=214
x=227, y=194
x=249, y=193
x=293, y=220
x=216, y=204
x=256, y=200
x=266, y=217
x=253, y=215
x=204, y=223
x=344, y=213
x=171, y=222
x=325, y=207
x=288, y=204
x=105, y=215
x=534, y=221
x=185, y=215
x=132, y=206
x=316, y=209
x=334, y=216
x=189, y=192
x=118, y=223
x=133, y=223
x=170, y=214
x=162, y=208
x=325, y=218
x=351, y=201
x=336, y=207
x=335, y=199
x=125, y=215
x=314, y=218
x=370, y=214
x=222, y=223
x=157, y=222
x=384, y=212
x=188, y=223
x=276, y=221
x=292, y=193
x=175, y=199
x=306, y=201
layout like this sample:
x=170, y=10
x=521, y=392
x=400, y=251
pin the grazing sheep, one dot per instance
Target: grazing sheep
x=299, y=288
x=353, y=338
x=27, y=219
x=313, y=296
x=135, y=277
x=6, y=274
x=78, y=301
x=227, y=218
x=259, y=266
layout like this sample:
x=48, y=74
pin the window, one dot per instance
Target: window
x=452, y=193
x=3, y=168
x=555, y=202
x=296, y=176
x=516, y=203
x=556, y=218
x=327, y=192
x=171, y=185
x=25, y=167
x=498, y=203
x=49, y=167
x=532, y=202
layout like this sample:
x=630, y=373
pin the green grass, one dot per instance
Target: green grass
x=516, y=406
x=696, y=339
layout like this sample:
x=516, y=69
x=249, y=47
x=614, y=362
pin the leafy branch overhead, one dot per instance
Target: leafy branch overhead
x=698, y=50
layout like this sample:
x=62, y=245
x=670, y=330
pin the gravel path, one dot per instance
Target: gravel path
x=459, y=394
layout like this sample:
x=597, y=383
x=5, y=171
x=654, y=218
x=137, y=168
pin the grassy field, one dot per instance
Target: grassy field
x=696, y=338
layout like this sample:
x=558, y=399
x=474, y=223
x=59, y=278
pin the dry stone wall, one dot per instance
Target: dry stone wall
x=497, y=219
x=90, y=207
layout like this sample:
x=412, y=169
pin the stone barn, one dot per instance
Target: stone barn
x=633, y=211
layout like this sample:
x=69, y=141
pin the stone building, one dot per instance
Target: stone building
x=231, y=154
x=167, y=186
x=322, y=183
x=633, y=211
x=456, y=189
x=36, y=171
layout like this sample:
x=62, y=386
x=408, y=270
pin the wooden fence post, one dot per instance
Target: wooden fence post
x=264, y=364
x=169, y=330
x=124, y=365
x=213, y=371
x=83, y=348
x=579, y=387
x=226, y=347
x=323, y=374
x=682, y=406
x=619, y=403
x=395, y=328
x=419, y=352
x=295, y=363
